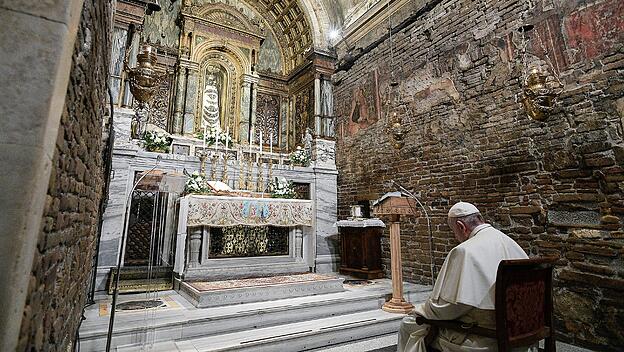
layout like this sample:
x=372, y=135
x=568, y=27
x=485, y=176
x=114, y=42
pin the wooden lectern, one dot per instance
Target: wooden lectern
x=395, y=204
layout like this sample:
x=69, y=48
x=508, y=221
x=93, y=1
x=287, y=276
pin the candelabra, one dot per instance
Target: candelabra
x=213, y=167
x=143, y=80
x=248, y=178
x=270, y=169
x=241, y=169
x=202, y=163
x=260, y=182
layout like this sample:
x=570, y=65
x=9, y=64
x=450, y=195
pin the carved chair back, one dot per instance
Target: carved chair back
x=524, y=305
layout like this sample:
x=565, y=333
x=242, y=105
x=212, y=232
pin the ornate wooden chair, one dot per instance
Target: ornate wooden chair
x=523, y=303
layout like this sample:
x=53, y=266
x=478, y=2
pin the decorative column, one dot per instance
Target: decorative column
x=180, y=96
x=317, y=105
x=244, y=122
x=298, y=245
x=194, y=246
x=191, y=99
x=248, y=105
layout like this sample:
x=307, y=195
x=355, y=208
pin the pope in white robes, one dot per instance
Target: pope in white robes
x=464, y=289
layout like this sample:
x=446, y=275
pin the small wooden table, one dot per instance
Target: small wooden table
x=361, y=248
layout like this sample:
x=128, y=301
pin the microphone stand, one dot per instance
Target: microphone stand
x=411, y=195
x=111, y=322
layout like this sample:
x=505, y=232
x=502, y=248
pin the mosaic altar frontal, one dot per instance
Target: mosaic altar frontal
x=219, y=211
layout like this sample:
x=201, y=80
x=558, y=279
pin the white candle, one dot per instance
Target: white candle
x=271, y=144
x=260, y=146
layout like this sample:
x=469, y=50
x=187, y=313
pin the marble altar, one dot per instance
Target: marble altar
x=319, y=243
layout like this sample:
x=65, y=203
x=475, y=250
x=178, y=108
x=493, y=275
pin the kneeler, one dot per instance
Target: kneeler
x=523, y=304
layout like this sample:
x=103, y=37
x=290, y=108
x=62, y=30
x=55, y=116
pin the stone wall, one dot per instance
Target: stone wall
x=555, y=186
x=61, y=268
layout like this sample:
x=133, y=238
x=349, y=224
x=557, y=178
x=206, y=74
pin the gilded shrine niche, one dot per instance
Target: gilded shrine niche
x=248, y=67
x=219, y=46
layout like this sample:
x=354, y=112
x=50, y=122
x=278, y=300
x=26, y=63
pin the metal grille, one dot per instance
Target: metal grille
x=248, y=241
x=146, y=215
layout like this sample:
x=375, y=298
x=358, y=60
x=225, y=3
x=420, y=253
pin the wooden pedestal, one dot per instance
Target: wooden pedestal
x=361, y=252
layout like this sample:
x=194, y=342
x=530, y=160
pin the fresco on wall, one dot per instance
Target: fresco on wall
x=269, y=58
x=365, y=104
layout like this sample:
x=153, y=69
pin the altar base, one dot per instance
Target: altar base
x=204, y=294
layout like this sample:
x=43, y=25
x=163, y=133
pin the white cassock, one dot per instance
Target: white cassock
x=464, y=290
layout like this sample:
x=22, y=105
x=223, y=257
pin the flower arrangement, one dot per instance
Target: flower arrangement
x=280, y=188
x=300, y=157
x=213, y=135
x=156, y=141
x=196, y=184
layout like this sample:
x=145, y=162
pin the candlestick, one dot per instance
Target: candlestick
x=227, y=137
x=260, y=148
x=241, y=178
x=224, y=176
x=251, y=141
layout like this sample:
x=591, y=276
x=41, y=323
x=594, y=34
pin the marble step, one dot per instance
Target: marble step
x=214, y=321
x=177, y=324
x=266, y=290
x=384, y=343
x=301, y=336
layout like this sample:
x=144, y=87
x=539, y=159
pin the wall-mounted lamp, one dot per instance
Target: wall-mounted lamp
x=540, y=87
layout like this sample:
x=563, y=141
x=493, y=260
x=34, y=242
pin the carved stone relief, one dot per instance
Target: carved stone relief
x=267, y=118
x=159, y=108
x=304, y=113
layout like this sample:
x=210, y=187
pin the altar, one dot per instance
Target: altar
x=228, y=237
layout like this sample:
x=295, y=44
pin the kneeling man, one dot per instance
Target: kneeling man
x=464, y=289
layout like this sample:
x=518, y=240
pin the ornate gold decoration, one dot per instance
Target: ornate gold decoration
x=224, y=176
x=260, y=182
x=397, y=132
x=144, y=81
x=213, y=167
x=541, y=91
x=248, y=185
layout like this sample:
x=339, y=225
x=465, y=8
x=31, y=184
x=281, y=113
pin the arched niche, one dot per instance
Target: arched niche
x=228, y=65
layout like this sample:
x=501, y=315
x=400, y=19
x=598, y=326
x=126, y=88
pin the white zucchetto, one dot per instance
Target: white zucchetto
x=461, y=209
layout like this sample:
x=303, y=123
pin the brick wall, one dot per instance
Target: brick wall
x=555, y=186
x=62, y=264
